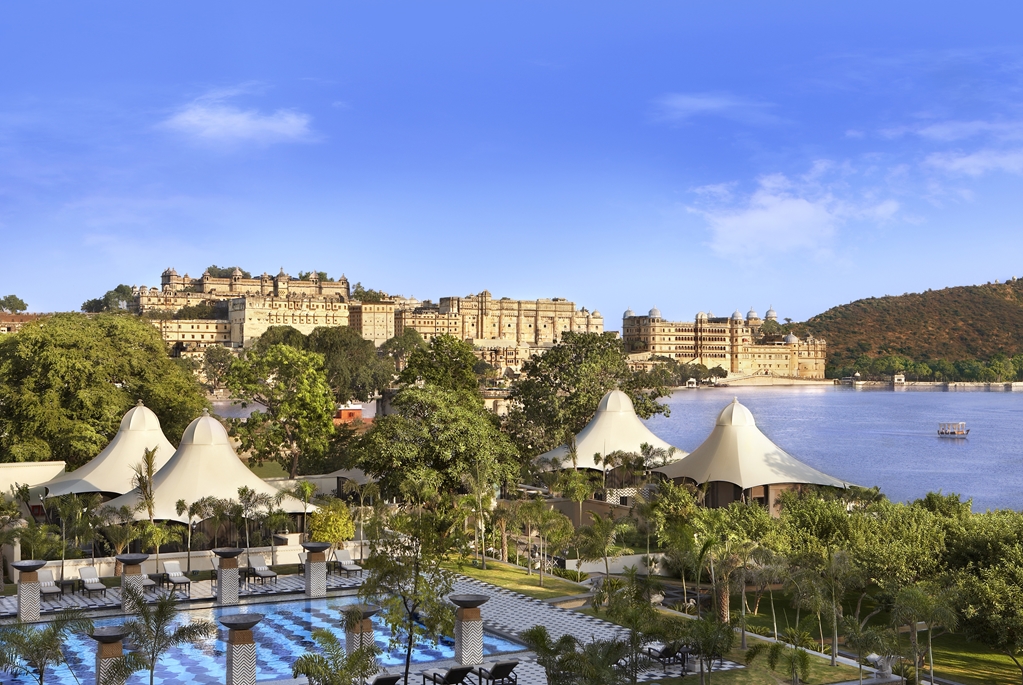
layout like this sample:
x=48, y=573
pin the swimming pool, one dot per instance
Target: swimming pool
x=281, y=637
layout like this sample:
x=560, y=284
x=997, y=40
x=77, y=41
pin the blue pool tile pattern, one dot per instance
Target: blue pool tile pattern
x=281, y=637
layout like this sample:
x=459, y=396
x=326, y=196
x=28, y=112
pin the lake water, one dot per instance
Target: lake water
x=880, y=437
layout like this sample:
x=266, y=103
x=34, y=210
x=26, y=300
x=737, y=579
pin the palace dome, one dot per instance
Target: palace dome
x=790, y=339
x=771, y=314
x=736, y=315
x=655, y=313
x=628, y=313
x=701, y=316
x=752, y=314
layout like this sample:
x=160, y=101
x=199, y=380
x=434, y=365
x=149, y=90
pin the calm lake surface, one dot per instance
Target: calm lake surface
x=878, y=436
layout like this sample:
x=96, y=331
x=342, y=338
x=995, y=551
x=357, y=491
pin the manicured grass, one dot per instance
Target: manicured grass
x=515, y=578
x=955, y=657
x=268, y=469
x=760, y=674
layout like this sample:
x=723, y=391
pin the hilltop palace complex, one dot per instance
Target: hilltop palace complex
x=504, y=332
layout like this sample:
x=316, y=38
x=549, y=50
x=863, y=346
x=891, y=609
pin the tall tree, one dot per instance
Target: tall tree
x=447, y=431
x=446, y=363
x=116, y=300
x=66, y=381
x=216, y=361
x=354, y=369
x=298, y=405
x=26, y=649
x=12, y=304
x=400, y=347
x=602, y=539
x=560, y=389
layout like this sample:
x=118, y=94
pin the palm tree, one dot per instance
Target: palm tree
x=142, y=480
x=219, y=514
x=554, y=656
x=862, y=640
x=600, y=539
x=10, y=516
x=152, y=633
x=31, y=651
x=795, y=660
x=276, y=519
x=366, y=491
x=597, y=662
x=120, y=534
x=199, y=509
x=334, y=666
x=932, y=605
x=251, y=502
x=709, y=639
x=503, y=517
x=304, y=490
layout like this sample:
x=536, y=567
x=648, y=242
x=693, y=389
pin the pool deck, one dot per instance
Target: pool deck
x=507, y=613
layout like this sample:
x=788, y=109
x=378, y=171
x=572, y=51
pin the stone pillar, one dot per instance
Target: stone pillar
x=359, y=627
x=316, y=568
x=241, y=648
x=227, y=581
x=468, y=636
x=131, y=576
x=28, y=596
x=108, y=647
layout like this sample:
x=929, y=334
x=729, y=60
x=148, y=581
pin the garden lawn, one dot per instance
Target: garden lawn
x=955, y=657
x=515, y=578
x=760, y=673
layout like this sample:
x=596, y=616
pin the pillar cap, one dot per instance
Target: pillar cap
x=28, y=565
x=240, y=621
x=131, y=559
x=227, y=552
x=109, y=634
x=468, y=601
x=316, y=546
x=364, y=610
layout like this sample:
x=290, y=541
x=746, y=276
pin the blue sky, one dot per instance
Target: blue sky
x=692, y=156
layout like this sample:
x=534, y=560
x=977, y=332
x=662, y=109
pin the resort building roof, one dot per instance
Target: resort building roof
x=738, y=452
x=204, y=465
x=110, y=471
x=614, y=427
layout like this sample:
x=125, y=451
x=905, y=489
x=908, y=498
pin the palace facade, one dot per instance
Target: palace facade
x=734, y=343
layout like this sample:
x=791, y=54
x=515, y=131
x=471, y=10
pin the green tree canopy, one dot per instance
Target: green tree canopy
x=446, y=363
x=115, y=300
x=401, y=346
x=296, y=420
x=447, y=431
x=361, y=294
x=353, y=367
x=562, y=387
x=280, y=335
x=66, y=381
x=12, y=304
x=226, y=271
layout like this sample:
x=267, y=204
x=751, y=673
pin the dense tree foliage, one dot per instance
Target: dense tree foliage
x=115, y=300
x=400, y=347
x=997, y=369
x=12, y=304
x=66, y=381
x=295, y=420
x=226, y=271
x=561, y=388
x=446, y=363
x=361, y=294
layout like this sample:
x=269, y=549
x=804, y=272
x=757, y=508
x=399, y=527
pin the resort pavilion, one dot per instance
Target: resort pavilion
x=110, y=471
x=614, y=428
x=204, y=465
x=738, y=462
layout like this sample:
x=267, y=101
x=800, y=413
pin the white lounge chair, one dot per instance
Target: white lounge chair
x=47, y=585
x=176, y=577
x=261, y=571
x=90, y=581
x=344, y=562
x=302, y=556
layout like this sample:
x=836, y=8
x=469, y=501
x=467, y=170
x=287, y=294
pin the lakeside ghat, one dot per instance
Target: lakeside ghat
x=877, y=436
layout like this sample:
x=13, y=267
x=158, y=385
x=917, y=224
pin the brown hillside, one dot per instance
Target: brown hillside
x=963, y=322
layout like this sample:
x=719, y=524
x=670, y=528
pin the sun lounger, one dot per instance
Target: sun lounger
x=452, y=676
x=500, y=673
x=344, y=562
x=176, y=577
x=261, y=571
x=90, y=581
x=47, y=586
x=385, y=679
x=668, y=654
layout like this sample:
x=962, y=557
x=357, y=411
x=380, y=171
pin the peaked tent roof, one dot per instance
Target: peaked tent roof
x=110, y=471
x=205, y=465
x=737, y=452
x=614, y=427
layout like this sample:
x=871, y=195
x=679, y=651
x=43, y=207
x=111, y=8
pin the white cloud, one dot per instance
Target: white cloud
x=210, y=119
x=785, y=215
x=978, y=163
x=953, y=130
x=679, y=107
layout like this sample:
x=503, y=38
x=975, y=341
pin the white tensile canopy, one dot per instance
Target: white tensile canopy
x=205, y=465
x=110, y=471
x=737, y=452
x=615, y=427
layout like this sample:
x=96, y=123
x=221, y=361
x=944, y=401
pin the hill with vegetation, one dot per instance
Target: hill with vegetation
x=957, y=324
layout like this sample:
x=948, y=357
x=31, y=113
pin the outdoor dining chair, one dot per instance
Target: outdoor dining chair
x=500, y=673
x=90, y=581
x=452, y=676
x=176, y=577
